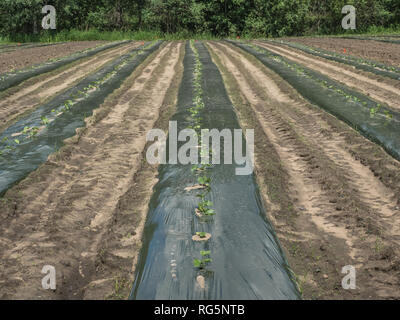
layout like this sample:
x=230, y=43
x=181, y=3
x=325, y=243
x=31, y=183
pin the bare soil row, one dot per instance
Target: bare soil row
x=26, y=57
x=387, y=53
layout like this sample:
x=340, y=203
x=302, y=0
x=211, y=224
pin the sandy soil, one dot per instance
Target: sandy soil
x=379, y=88
x=388, y=53
x=329, y=208
x=23, y=98
x=84, y=210
x=25, y=57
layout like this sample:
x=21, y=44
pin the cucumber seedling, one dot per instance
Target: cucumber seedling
x=201, y=263
x=201, y=234
x=203, y=207
x=204, y=181
x=44, y=120
x=202, y=195
x=32, y=132
x=26, y=130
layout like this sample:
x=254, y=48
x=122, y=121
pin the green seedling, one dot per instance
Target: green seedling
x=68, y=104
x=388, y=114
x=372, y=112
x=201, y=234
x=16, y=141
x=44, y=120
x=206, y=203
x=201, y=195
x=203, y=207
x=201, y=263
x=209, y=212
x=33, y=132
x=205, y=181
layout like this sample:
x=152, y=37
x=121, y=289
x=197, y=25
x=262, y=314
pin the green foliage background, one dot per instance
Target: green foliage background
x=21, y=19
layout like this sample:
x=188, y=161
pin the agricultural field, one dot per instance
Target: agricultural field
x=79, y=193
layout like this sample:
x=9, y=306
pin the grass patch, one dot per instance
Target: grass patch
x=146, y=35
x=93, y=34
x=4, y=40
x=371, y=31
x=120, y=292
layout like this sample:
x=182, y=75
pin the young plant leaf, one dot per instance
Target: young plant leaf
x=197, y=263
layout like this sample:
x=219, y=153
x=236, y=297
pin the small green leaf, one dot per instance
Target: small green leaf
x=44, y=120
x=210, y=212
x=197, y=263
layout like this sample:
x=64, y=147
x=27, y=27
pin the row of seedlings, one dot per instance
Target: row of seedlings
x=204, y=208
x=10, y=143
x=346, y=57
x=304, y=73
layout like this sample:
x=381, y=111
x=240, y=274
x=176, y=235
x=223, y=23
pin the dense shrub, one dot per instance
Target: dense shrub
x=22, y=18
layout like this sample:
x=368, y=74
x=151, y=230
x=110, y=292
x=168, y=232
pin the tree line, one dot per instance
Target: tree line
x=214, y=17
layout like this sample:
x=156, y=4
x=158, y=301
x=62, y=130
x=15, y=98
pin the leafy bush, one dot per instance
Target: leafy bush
x=20, y=20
